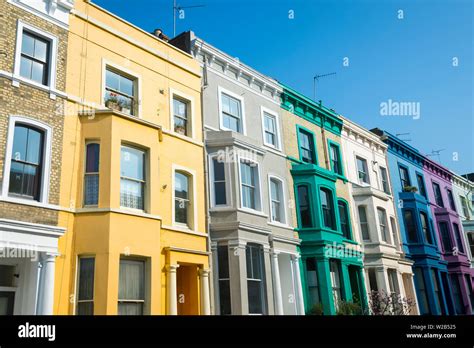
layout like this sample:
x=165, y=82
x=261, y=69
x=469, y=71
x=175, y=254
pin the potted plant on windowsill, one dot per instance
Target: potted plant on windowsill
x=112, y=102
x=125, y=107
x=180, y=130
x=410, y=189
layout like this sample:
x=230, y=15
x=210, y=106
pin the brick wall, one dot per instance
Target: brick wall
x=33, y=103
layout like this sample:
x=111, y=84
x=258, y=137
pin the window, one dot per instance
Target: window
x=131, y=297
x=26, y=167
x=181, y=198
x=470, y=238
x=437, y=193
x=456, y=293
x=384, y=179
x=344, y=218
x=270, y=130
x=181, y=115
x=304, y=207
x=335, y=155
x=312, y=280
x=255, y=279
x=132, y=178
x=421, y=185
x=231, y=109
x=276, y=200
x=327, y=205
x=410, y=226
x=249, y=185
x=219, y=194
x=465, y=209
x=393, y=281
x=426, y=228
x=468, y=279
x=393, y=225
x=421, y=287
x=445, y=238
x=404, y=177
x=384, y=232
x=364, y=224
x=91, y=176
x=457, y=236
x=85, y=288
x=373, y=279
x=35, y=57
x=120, y=91
x=224, y=280
x=362, y=170
x=336, y=282
x=451, y=200
x=437, y=290
x=306, y=143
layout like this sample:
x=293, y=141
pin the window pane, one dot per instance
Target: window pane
x=224, y=297
x=457, y=235
x=131, y=194
x=220, y=195
x=445, y=238
x=181, y=189
x=328, y=208
x=28, y=44
x=92, y=158
x=20, y=141
x=363, y=223
x=41, y=50
x=91, y=189
x=112, y=80
x=179, y=108
x=25, y=67
x=304, y=206
x=344, y=219
x=85, y=308
x=30, y=180
x=131, y=165
x=410, y=225
x=132, y=280
x=34, y=147
x=38, y=72
x=125, y=308
x=126, y=85
x=86, y=279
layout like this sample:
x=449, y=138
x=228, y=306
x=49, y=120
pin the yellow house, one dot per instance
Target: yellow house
x=133, y=181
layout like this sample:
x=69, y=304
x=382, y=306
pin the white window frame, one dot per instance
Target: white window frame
x=21, y=26
x=192, y=225
x=227, y=173
x=282, y=202
x=137, y=84
x=45, y=174
x=221, y=91
x=359, y=181
x=263, y=111
x=258, y=204
x=388, y=180
x=190, y=102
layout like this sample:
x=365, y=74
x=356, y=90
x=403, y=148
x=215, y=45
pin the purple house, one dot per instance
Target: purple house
x=449, y=232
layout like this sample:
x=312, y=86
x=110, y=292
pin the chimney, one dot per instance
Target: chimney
x=159, y=34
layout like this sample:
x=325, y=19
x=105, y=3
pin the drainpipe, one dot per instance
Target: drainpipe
x=325, y=147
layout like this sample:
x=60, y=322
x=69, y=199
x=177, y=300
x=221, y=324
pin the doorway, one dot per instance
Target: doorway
x=188, y=289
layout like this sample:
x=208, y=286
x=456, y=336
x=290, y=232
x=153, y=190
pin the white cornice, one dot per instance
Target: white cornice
x=264, y=82
x=351, y=128
x=30, y=228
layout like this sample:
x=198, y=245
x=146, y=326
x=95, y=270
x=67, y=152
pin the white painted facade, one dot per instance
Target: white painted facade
x=382, y=255
x=463, y=191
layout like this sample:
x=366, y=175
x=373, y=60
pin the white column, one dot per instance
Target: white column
x=172, y=290
x=277, y=284
x=205, y=301
x=46, y=291
x=299, y=287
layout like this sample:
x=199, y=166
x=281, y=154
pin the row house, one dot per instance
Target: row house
x=463, y=191
x=377, y=226
x=450, y=235
x=251, y=218
x=33, y=61
x=331, y=254
x=136, y=240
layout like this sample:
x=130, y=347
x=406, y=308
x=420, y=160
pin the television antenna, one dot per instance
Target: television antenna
x=436, y=153
x=398, y=135
x=315, y=79
x=177, y=9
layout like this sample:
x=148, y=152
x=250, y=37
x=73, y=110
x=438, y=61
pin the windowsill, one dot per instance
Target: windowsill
x=183, y=229
x=121, y=210
x=252, y=211
x=29, y=202
x=281, y=225
x=17, y=79
x=223, y=208
x=183, y=137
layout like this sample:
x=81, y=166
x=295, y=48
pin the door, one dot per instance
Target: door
x=188, y=290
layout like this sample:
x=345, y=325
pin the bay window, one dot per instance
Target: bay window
x=327, y=206
x=132, y=178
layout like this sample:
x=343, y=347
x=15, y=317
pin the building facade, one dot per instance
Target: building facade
x=376, y=226
x=331, y=255
x=135, y=240
x=450, y=235
x=33, y=60
x=417, y=226
x=251, y=223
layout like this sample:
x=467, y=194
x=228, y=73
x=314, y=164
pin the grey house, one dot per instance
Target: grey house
x=250, y=191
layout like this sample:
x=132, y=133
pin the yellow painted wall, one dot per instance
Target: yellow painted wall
x=109, y=231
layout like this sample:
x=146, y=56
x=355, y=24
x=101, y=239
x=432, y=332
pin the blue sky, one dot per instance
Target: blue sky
x=405, y=60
